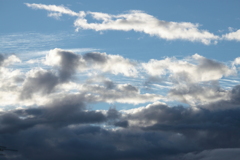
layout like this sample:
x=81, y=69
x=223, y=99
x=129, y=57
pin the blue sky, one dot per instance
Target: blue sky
x=216, y=17
x=148, y=74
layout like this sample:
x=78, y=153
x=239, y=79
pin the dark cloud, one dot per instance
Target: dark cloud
x=64, y=129
x=60, y=113
x=68, y=64
x=95, y=57
x=42, y=82
x=230, y=103
x=123, y=124
x=216, y=154
x=1, y=59
x=109, y=84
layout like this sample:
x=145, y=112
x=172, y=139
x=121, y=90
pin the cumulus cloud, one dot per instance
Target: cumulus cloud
x=195, y=79
x=193, y=69
x=46, y=113
x=68, y=62
x=194, y=94
x=8, y=60
x=38, y=81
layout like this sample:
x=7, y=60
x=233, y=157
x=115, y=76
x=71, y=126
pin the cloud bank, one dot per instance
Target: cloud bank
x=47, y=112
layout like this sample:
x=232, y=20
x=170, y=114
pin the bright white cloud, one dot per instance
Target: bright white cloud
x=194, y=69
x=134, y=20
x=143, y=22
x=236, y=61
x=232, y=36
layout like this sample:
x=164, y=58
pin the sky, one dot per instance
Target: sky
x=120, y=80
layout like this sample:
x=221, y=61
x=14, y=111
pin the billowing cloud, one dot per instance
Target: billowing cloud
x=38, y=81
x=193, y=69
x=48, y=112
x=194, y=94
x=64, y=128
x=68, y=61
x=8, y=60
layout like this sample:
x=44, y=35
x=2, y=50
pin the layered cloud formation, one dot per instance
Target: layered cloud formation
x=138, y=21
x=45, y=111
x=85, y=104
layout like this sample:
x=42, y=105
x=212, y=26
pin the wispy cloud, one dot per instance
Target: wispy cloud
x=134, y=20
x=58, y=10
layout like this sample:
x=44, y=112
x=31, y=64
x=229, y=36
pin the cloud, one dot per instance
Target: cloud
x=121, y=93
x=143, y=22
x=8, y=60
x=194, y=94
x=232, y=36
x=38, y=81
x=57, y=10
x=192, y=69
x=134, y=20
x=64, y=129
x=68, y=62
x=216, y=154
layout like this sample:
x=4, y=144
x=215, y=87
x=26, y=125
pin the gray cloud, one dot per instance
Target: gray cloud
x=95, y=57
x=64, y=112
x=68, y=64
x=41, y=82
x=1, y=59
x=61, y=126
x=64, y=128
x=216, y=154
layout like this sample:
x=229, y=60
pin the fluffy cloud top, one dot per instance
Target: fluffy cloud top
x=69, y=61
x=193, y=69
x=45, y=112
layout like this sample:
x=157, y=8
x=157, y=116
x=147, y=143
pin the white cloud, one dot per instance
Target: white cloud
x=232, y=36
x=194, y=69
x=101, y=62
x=11, y=60
x=53, y=8
x=143, y=22
x=134, y=20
